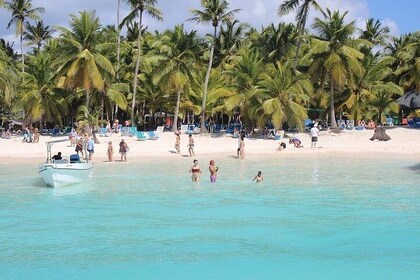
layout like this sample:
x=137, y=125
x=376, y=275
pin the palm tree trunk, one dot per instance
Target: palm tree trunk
x=178, y=101
x=206, y=83
x=136, y=71
x=117, y=70
x=21, y=51
x=302, y=31
x=332, y=110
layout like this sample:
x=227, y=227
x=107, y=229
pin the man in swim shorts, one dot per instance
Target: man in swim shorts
x=213, y=171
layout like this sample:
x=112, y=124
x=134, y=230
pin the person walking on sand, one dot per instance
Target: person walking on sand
x=177, y=142
x=314, y=135
x=191, y=145
x=242, y=147
x=213, y=171
x=123, y=150
x=110, y=151
x=259, y=178
x=195, y=171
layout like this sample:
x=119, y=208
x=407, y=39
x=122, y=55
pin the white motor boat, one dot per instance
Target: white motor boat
x=65, y=171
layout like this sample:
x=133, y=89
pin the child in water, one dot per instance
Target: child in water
x=259, y=178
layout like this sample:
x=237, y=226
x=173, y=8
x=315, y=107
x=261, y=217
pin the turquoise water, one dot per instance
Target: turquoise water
x=320, y=218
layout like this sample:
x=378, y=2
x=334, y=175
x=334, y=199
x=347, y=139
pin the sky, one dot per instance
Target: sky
x=400, y=16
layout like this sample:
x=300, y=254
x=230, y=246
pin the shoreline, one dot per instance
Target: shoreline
x=404, y=143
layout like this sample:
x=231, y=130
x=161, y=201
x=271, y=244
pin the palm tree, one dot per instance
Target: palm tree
x=8, y=77
x=283, y=93
x=335, y=54
x=179, y=50
x=301, y=17
x=22, y=11
x=81, y=63
x=138, y=8
x=375, y=32
x=37, y=34
x=215, y=11
x=408, y=71
x=231, y=39
x=373, y=81
x=276, y=43
x=40, y=99
x=244, y=73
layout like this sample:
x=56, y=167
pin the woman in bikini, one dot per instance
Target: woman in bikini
x=259, y=178
x=177, y=142
x=195, y=171
x=213, y=171
x=191, y=145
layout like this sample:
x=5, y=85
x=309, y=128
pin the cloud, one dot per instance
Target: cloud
x=392, y=25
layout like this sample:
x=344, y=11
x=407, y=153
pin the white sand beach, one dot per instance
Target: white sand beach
x=404, y=141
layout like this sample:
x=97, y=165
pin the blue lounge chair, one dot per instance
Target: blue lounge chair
x=55, y=131
x=217, y=128
x=133, y=131
x=125, y=131
x=341, y=124
x=388, y=122
x=152, y=135
x=141, y=136
x=104, y=133
x=350, y=124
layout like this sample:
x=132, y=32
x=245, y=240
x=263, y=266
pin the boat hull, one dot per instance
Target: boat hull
x=64, y=174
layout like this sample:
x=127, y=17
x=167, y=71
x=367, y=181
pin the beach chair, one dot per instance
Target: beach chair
x=141, y=136
x=132, y=131
x=217, y=128
x=350, y=124
x=152, y=135
x=55, y=131
x=341, y=124
x=159, y=130
x=104, y=133
x=184, y=128
x=125, y=131
x=388, y=122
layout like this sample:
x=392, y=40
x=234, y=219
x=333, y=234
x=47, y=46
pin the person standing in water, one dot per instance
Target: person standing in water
x=213, y=171
x=191, y=145
x=259, y=178
x=177, y=142
x=195, y=171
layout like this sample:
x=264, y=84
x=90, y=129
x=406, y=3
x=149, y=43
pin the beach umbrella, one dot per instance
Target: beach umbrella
x=410, y=100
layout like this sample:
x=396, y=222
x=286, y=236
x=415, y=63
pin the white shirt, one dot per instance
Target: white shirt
x=314, y=131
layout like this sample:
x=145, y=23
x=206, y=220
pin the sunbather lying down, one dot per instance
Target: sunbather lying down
x=296, y=142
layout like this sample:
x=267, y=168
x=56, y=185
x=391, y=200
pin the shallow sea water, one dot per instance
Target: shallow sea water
x=321, y=218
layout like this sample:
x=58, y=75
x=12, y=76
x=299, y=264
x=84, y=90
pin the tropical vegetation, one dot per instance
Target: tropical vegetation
x=276, y=75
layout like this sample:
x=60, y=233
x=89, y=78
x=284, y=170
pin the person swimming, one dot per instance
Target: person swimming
x=259, y=178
